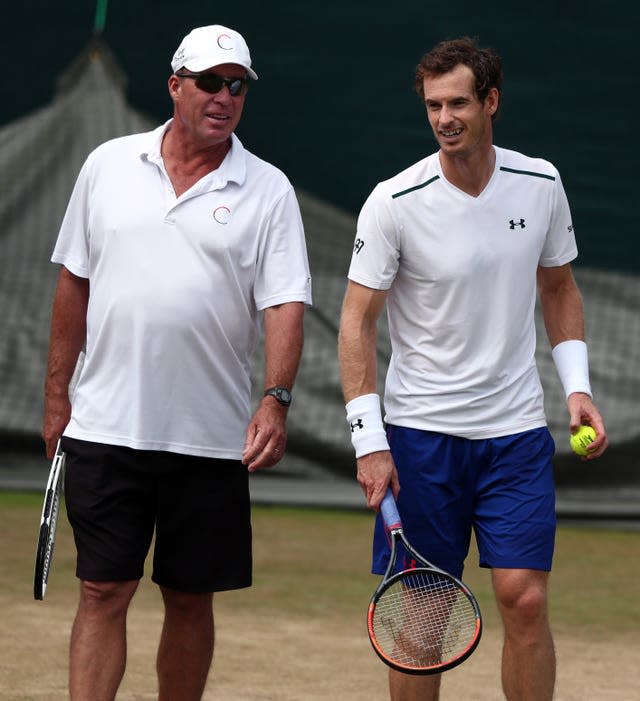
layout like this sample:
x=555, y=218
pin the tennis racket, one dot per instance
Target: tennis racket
x=48, y=523
x=421, y=620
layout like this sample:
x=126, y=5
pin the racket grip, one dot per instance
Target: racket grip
x=389, y=511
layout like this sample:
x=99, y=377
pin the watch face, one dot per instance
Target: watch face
x=282, y=394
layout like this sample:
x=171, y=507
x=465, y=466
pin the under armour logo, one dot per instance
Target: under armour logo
x=513, y=224
x=356, y=424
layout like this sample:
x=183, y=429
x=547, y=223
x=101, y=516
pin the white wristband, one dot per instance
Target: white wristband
x=365, y=421
x=572, y=364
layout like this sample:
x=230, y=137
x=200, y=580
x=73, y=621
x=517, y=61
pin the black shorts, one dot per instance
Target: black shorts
x=199, y=508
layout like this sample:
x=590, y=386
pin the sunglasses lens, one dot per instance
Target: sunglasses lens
x=236, y=87
x=212, y=83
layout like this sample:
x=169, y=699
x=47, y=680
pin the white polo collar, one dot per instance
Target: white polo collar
x=232, y=169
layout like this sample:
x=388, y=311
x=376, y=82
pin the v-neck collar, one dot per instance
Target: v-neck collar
x=488, y=188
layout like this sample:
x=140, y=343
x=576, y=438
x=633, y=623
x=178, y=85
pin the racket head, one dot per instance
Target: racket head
x=423, y=621
x=48, y=524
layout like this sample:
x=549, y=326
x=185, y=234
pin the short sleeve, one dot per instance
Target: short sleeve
x=72, y=245
x=376, y=249
x=560, y=244
x=283, y=267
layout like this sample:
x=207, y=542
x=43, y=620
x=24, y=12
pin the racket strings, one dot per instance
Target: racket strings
x=424, y=620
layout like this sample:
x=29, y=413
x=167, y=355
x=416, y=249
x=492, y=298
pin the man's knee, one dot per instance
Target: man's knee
x=522, y=595
x=106, y=598
x=187, y=604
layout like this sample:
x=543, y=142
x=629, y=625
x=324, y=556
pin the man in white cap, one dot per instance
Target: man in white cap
x=187, y=243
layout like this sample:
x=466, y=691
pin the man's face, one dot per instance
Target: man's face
x=461, y=123
x=208, y=118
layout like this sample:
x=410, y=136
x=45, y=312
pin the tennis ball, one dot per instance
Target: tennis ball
x=579, y=440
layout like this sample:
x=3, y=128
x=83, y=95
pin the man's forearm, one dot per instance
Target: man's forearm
x=68, y=335
x=283, y=341
x=561, y=304
x=357, y=352
x=68, y=331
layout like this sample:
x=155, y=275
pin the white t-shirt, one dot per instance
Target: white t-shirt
x=176, y=287
x=461, y=276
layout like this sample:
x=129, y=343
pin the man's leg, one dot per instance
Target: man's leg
x=98, y=640
x=408, y=687
x=528, y=657
x=186, y=645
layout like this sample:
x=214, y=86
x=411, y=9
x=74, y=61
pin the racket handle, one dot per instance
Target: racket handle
x=389, y=511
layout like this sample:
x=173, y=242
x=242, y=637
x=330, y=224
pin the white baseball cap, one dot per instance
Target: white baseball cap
x=206, y=47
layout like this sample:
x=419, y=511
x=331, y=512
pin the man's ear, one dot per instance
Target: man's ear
x=174, y=86
x=492, y=101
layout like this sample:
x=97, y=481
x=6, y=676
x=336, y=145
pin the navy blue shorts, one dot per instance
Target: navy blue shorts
x=199, y=509
x=501, y=488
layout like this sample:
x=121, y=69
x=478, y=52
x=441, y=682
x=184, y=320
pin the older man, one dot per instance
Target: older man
x=176, y=245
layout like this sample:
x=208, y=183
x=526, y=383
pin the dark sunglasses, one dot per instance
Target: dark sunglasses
x=212, y=83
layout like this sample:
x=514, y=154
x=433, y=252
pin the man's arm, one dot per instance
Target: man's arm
x=67, y=338
x=283, y=340
x=357, y=343
x=357, y=339
x=561, y=303
x=563, y=314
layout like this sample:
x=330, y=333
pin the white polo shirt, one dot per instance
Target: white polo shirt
x=176, y=287
x=461, y=275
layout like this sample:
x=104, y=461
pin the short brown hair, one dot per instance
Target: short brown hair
x=445, y=56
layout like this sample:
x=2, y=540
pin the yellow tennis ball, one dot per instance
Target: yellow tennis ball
x=579, y=440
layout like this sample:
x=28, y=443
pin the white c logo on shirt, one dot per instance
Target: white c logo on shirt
x=223, y=40
x=221, y=214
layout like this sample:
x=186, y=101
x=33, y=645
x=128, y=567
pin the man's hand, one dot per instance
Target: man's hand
x=583, y=411
x=57, y=412
x=266, y=435
x=377, y=472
